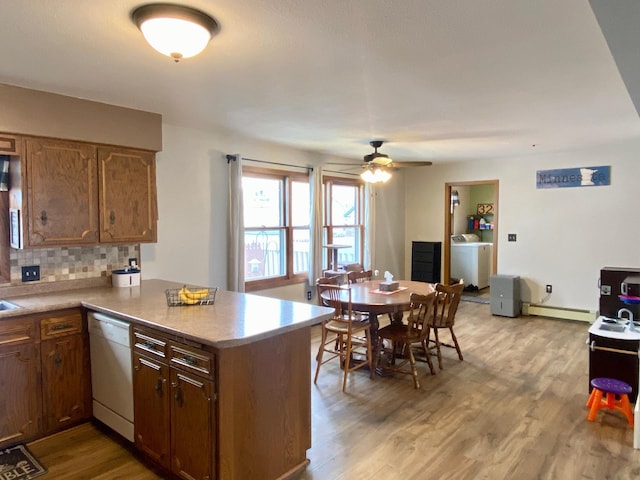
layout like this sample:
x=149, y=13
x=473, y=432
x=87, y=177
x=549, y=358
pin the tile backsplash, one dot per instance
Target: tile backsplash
x=72, y=263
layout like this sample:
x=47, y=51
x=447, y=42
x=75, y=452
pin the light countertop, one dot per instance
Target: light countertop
x=234, y=319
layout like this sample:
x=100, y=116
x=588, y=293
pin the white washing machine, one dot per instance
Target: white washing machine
x=471, y=260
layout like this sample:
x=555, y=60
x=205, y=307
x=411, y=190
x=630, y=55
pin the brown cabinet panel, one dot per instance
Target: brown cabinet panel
x=20, y=398
x=62, y=193
x=127, y=195
x=151, y=393
x=9, y=144
x=192, y=447
x=65, y=391
x=65, y=323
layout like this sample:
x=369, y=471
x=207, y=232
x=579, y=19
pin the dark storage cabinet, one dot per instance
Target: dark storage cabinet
x=425, y=261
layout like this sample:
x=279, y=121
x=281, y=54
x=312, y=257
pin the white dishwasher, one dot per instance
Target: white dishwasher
x=111, y=376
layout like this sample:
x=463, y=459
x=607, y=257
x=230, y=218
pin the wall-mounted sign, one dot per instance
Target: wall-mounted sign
x=574, y=177
x=485, y=209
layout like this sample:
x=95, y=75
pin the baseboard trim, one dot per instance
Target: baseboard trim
x=559, y=312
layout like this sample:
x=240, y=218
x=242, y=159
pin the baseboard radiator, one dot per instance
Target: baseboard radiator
x=558, y=312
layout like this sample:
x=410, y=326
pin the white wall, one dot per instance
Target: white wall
x=192, y=180
x=565, y=235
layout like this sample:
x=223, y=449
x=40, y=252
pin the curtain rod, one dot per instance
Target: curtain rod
x=233, y=158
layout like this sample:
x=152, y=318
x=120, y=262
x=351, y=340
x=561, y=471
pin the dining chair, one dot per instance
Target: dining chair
x=403, y=337
x=445, y=308
x=344, y=334
x=360, y=276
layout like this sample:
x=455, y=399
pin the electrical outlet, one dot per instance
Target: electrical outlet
x=511, y=237
x=549, y=288
x=31, y=273
x=133, y=262
x=308, y=294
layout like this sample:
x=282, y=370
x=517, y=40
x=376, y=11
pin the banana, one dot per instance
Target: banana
x=191, y=297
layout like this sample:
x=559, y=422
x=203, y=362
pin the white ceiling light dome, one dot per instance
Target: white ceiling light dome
x=175, y=30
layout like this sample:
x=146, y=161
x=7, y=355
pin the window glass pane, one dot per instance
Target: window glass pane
x=347, y=236
x=343, y=205
x=262, y=202
x=264, y=254
x=300, y=204
x=300, y=250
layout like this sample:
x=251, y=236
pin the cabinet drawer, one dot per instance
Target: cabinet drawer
x=63, y=324
x=192, y=359
x=150, y=344
x=18, y=330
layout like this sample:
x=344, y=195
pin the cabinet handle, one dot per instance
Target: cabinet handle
x=112, y=217
x=178, y=395
x=57, y=359
x=61, y=326
x=159, y=387
x=43, y=217
x=189, y=360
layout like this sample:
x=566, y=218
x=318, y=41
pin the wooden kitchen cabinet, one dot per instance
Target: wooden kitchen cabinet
x=66, y=387
x=151, y=408
x=174, y=419
x=127, y=195
x=10, y=144
x=20, y=400
x=44, y=375
x=76, y=193
x=61, y=205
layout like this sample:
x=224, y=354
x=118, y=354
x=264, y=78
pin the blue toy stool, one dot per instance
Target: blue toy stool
x=609, y=387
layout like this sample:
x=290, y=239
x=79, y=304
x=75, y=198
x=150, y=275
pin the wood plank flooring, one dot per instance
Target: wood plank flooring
x=513, y=409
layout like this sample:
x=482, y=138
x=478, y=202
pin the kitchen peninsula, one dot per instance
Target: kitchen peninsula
x=259, y=413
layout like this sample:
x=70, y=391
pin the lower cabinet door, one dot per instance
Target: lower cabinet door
x=64, y=387
x=192, y=439
x=151, y=406
x=20, y=405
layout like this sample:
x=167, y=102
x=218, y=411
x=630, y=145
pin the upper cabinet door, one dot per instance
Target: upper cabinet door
x=127, y=195
x=62, y=193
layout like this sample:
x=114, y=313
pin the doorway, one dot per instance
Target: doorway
x=479, y=216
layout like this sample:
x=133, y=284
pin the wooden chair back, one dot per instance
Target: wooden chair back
x=446, y=305
x=361, y=276
x=421, y=311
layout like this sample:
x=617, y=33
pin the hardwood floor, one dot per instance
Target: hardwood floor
x=513, y=409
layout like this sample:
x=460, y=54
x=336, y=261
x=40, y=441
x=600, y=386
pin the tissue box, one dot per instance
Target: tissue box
x=389, y=286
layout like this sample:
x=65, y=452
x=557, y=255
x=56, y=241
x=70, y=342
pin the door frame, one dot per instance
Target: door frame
x=448, y=219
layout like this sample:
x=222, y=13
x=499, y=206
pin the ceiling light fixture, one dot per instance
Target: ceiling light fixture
x=375, y=174
x=175, y=30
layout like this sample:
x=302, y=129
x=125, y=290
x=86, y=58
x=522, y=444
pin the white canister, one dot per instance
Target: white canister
x=125, y=277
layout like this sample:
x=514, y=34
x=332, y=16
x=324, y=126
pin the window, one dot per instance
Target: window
x=344, y=219
x=276, y=227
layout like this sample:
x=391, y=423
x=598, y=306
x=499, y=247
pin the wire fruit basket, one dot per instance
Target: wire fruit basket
x=177, y=297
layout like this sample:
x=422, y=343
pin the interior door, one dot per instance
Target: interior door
x=448, y=224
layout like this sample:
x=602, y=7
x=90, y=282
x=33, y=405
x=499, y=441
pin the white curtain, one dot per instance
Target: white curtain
x=315, y=220
x=235, y=239
x=369, y=225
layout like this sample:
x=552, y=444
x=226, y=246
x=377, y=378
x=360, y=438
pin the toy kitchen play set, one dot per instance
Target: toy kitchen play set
x=614, y=338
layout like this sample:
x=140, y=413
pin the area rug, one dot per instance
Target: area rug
x=17, y=463
x=471, y=298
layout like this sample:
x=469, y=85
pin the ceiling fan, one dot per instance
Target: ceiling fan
x=377, y=165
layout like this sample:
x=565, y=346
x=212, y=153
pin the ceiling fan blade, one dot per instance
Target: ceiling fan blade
x=411, y=164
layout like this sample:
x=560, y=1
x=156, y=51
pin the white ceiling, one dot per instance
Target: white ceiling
x=441, y=80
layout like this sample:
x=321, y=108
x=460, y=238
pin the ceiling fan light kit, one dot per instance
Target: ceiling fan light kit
x=375, y=174
x=176, y=31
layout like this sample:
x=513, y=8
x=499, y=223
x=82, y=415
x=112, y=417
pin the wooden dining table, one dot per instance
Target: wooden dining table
x=366, y=297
